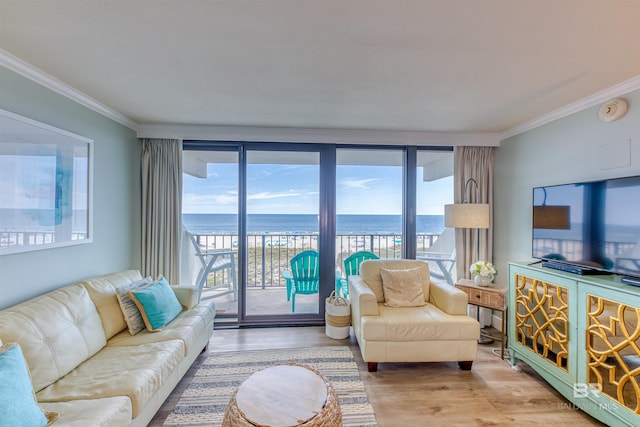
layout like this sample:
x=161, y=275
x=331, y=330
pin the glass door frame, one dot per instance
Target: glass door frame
x=326, y=231
x=327, y=215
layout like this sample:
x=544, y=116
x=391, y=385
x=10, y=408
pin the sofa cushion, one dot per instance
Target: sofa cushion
x=130, y=310
x=134, y=371
x=102, y=290
x=106, y=412
x=370, y=273
x=427, y=323
x=57, y=332
x=188, y=327
x=402, y=288
x=157, y=303
x=18, y=405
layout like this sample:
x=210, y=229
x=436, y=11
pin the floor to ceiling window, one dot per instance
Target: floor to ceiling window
x=282, y=209
x=210, y=218
x=258, y=207
x=434, y=189
x=368, y=203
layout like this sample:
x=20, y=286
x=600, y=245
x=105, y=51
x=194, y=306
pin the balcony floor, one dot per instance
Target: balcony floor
x=269, y=301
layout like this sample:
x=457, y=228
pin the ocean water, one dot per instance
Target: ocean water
x=345, y=224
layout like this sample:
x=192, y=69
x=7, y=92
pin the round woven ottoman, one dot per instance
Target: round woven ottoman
x=284, y=395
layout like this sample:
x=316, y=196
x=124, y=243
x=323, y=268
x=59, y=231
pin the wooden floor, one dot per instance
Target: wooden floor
x=422, y=394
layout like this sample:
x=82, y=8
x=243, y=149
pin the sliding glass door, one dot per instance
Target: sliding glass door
x=270, y=225
x=434, y=189
x=282, y=211
x=210, y=220
x=368, y=203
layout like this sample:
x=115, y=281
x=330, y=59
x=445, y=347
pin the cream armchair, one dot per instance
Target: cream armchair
x=439, y=331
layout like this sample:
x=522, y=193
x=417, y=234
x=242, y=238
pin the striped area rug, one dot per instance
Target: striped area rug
x=204, y=401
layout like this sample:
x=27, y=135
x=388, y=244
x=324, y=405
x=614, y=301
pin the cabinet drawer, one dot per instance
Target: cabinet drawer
x=485, y=298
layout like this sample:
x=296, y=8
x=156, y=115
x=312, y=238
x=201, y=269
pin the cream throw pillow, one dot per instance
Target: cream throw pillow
x=402, y=288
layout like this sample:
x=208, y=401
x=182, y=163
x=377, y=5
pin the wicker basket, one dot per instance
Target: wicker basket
x=329, y=416
x=337, y=316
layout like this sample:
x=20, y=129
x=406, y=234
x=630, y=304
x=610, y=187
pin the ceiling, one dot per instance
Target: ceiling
x=423, y=65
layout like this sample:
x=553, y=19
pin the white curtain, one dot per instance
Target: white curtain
x=474, y=245
x=161, y=208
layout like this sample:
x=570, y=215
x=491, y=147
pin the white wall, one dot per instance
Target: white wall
x=564, y=151
x=116, y=191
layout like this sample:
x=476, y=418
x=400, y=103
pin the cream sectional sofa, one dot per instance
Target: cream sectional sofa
x=438, y=331
x=85, y=364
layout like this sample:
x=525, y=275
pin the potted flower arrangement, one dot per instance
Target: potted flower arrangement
x=483, y=273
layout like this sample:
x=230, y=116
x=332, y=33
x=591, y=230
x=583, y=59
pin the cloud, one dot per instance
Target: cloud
x=266, y=195
x=225, y=199
x=358, y=183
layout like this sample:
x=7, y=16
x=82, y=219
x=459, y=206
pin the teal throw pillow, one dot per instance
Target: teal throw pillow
x=157, y=303
x=18, y=405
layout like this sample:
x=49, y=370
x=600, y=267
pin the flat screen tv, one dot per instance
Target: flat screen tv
x=589, y=227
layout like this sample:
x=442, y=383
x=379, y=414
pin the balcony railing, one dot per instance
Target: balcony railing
x=573, y=248
x=10, y=239
x=269, y=254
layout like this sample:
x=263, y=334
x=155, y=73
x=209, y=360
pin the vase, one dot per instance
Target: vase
x=482, y=280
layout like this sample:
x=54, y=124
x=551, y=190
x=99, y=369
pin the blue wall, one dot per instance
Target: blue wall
x=116, y=196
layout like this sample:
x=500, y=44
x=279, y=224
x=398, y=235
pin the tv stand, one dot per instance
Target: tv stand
x=579, y=333
x=574, y=268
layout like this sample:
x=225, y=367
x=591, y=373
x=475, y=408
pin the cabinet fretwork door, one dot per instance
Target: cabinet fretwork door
x=613, y=350
x=542, y=318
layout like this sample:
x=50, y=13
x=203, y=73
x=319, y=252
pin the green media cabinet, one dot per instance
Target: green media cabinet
x=582, y=335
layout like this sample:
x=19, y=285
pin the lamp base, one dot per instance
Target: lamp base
x=484, y=340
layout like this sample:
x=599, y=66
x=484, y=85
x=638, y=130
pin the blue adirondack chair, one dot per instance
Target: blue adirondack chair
x=304, y=276
x=352, y=267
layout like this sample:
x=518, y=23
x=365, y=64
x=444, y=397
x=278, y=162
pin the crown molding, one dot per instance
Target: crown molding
x=317, y=135
x=30, y=72
x=597, y=98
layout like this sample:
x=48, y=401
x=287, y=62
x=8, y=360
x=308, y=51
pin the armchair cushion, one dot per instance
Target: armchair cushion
x=418, y=324
x=402, y=288
x=370, y=273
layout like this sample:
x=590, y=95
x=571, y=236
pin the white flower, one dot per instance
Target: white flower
x=483, y=268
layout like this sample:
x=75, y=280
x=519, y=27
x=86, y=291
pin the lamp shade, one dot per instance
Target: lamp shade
x=551, y=217
x=466, y=215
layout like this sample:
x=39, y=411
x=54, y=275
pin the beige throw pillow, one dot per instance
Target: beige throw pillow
x=402, y=288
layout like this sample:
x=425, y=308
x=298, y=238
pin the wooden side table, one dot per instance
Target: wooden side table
x=488, y=297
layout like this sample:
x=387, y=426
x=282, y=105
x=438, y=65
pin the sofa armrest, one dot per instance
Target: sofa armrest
x=187, y=295
x=363, y=300
x=448, y=298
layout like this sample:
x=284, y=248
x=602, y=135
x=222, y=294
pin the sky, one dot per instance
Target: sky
x=293, y=189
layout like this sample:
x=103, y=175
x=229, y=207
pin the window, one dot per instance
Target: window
x=268, y=202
